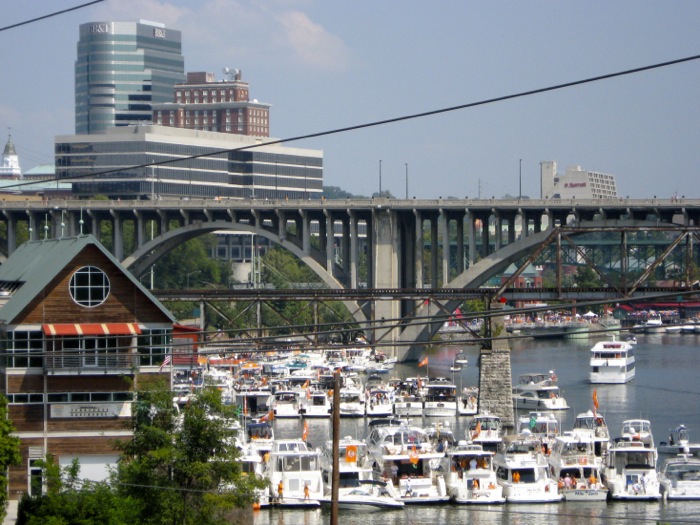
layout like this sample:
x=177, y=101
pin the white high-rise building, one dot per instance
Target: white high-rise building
x=575, y=183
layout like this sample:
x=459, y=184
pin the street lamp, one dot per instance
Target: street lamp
x=406, y=163
x=188, y=276
x=380, y=178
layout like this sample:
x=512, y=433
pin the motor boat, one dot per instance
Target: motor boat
x=468, y=404
x=538, y=392
x=286, y=404
x=574, y=464
x=440, y=399
x=470, y=476
x=408, y=405
x=679, y=442
x=485, y=429
x=544, y=426
x=630, y=467
x=612, y=362
x=680, y=478
x=252, y=465
x=352, y=401
x=523, y=472
x=379, y=403
x=291, y=468
x=358, y=489
x=316, y=404
x=405, y=455
x=654, y=325
x=593, y=424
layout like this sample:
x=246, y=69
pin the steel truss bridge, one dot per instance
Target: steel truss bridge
x=412, y=253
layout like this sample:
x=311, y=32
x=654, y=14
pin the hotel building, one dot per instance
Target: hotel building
x=575, y=183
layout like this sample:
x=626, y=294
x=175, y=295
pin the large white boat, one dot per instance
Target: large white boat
x=538, y=392
x=316, y=403
x=408, y=405
x=379, y=402
x=544, y=426
x=293, y=470
x=679, y=442
x=440, y=399
x=523, y=472
x=612, y=362
x=630, y=468
x=654, y=325
x=468, y=401
x=286, y=403
x=574, y=464
x=405, y=455
x=485, y=430
x=352, y=401
x=593, y=424
x=358, y=488
x=252, y=465
x=470, y=476
x=680, y=478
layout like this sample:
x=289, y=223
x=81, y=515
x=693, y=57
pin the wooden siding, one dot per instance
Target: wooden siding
x=25, y=383
x=125, y=303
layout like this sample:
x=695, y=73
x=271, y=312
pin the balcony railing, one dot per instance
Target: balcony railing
x=90, y=363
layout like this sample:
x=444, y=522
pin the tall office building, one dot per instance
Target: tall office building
x=122, y=69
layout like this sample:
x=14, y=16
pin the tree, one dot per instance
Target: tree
x=9, y=452
x=183, y=470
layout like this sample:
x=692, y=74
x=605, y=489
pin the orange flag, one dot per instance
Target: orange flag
x=595, y=399
x=305, y=433
x=424, y=362
x=351, y=454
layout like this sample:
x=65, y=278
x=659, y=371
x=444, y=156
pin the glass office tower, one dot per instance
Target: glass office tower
x=122, y=69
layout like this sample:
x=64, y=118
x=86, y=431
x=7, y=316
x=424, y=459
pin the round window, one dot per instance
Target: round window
x=89, y=286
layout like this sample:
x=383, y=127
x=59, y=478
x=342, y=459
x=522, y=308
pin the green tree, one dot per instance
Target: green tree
x=586, y=277
x=9, y=452
x=183, y=470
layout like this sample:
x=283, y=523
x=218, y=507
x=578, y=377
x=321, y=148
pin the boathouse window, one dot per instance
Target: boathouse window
x=25, y=349
x=153, y=346
x=36, y=479
x=89, y=286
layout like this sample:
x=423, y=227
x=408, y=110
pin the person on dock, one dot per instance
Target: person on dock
x=280, y=491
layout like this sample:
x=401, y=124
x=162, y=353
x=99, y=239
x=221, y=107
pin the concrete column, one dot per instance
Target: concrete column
x=330, y=243
x=281, y=224
x=418, y=250
x=434, y=240
x=524, y=223
x=353, y=255
x=445, y=227
x=117, y=238
x=11, y=233
x=140, y=228
x=385, y=255
x=472, y=238
x=499, y=230
x=511, y=229
x=345, y=244
x=305, y=232
x=460, y=244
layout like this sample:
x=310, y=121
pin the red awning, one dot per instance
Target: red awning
x=91, y=329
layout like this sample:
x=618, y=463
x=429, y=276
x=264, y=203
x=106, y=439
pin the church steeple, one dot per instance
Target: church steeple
x=9, y=169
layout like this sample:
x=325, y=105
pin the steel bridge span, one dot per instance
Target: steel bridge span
x=397, y=235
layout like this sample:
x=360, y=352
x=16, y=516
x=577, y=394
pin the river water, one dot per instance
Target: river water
x=666, y=391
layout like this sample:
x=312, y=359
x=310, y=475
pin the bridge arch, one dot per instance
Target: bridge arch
x=147, y=254
x=488, y=267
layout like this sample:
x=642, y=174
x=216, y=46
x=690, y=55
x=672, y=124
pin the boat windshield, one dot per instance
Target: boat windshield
x=683, y=471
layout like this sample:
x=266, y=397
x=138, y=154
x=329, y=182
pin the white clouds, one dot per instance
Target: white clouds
x=154, y=10
x=311, y=43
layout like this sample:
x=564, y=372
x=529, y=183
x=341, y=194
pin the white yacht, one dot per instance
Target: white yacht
x=593, y=424
x=260, y=433
x=379, y=403
x=440, y=399
x=630, y=468
x=654, y=325
x=538, y=391
x=544, y=426
x=405, y=455
x=679, y=442
x=252, y=465
x=612, y=362
x=358, y=489
x=470, y=476
x=468, y=402
x=408, y=405
x=286, y=403
x=523, y=472
x=295, y=466
x=574, y=463
x=486, y=430
x=316, y=403
x=680, y=478
x=352, y=401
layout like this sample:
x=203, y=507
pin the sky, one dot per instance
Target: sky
x=326, y=65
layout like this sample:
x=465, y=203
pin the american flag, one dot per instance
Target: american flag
x=165, y=362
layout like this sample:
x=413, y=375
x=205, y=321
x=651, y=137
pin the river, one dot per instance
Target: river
x=666, y=391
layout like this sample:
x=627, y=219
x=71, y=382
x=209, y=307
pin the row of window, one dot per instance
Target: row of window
x=70, y=397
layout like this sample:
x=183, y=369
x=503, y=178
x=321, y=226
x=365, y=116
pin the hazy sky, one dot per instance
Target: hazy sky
x=325, y=65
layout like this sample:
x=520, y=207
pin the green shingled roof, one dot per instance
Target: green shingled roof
x=34, y=264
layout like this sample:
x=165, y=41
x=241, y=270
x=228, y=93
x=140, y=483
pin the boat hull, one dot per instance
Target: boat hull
x=599, y=494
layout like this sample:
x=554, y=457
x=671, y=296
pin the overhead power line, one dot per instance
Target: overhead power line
x=50, y=15
x=384, y=121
